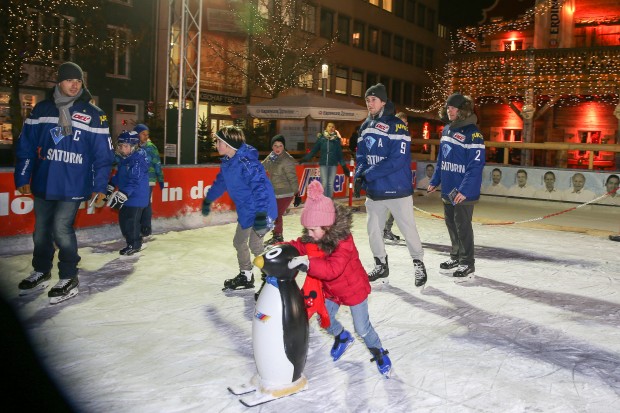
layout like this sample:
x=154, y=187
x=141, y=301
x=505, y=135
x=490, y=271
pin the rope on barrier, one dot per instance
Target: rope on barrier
x=525, y=220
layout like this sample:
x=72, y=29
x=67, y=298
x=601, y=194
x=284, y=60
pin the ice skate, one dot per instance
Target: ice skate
x=392, y=239
x=275, y=238
x=64, y=289
x=384, y=364
x=381, y=271
x=464, y=273
x=240, y=282
x=447, y=267
x=342, y=342
x=130, y=250
x=419, y=273
x=35, y=282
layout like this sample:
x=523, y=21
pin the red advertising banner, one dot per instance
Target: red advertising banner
x=185, y=188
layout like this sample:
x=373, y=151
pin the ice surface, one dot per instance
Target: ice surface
x=536, y=331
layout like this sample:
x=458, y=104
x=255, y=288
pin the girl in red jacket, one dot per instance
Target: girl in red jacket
x=328, y=253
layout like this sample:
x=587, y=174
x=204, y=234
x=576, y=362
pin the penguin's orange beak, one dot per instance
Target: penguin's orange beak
x=259, y=261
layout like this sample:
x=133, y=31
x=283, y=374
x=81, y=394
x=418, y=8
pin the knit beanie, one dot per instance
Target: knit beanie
x=235, y=144
x=69, y=70
x=319, y=210
x=456, y=100
x=377, y=90
x=140, y=127
x=278, y=138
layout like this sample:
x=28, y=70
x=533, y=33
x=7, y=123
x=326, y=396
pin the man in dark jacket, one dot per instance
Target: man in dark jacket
x=64, y=156
x=384, y=170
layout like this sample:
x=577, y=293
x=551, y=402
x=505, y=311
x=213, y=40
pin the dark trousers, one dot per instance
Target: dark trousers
x=458, y=220
x=54, y=225
x=129, y=221
x=147, y=213
x=282, y=203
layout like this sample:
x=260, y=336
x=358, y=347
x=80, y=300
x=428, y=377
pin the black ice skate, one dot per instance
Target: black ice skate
x=275, y=238
x=384, y=364
x=36, y=281
x=381, y=270
x=129, y=250
x=419, y=273
x=389, y=236
x=240, y=282
x=447, y=267
x=464, y=272
x=64, y=289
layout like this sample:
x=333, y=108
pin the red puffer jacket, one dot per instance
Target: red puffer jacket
x=344, y=279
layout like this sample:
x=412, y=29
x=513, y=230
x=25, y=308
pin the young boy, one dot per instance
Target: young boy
x=132, y=196
x=328, y=253
x=245, y=179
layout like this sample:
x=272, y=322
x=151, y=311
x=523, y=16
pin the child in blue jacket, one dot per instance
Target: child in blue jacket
x=132, y=196
x=245, y=179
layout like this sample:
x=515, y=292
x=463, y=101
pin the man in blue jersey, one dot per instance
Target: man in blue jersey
x=460, y=163
x=64, y=157
x=384, y=171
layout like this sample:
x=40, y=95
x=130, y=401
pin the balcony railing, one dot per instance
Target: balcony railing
x=587, y=71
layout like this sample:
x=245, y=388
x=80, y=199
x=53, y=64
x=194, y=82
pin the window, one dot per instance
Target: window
x=308, y=18
x=342, y=78
x=442, y=31
x=430, y=20
x=373, y=40
x=407, y=95
x=399, y=8
x=118, y=58
x=387, y=5
x=419, y=55
x=343, y=29
x=329, y=70
x=409, y=52
x=386, y=44
x=410, y=10
x=398, y=48
x=54, y=34
x=510, y=45
x=357, y=77
x=428, y=58
x=421, y=12
x=397, y=91
x=374, y=2
x=327, y=23
x=512, y=135
x=371, y=79
x=305, y=80
x=359, y=35
x=417, y=96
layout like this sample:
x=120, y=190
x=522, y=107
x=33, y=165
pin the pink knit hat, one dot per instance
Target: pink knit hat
x=319, y=210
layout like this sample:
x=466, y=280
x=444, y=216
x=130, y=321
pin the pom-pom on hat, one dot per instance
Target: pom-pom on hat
x=278, y=138
x=377, y=90
x=140, y=127
x=319, y=210
x=69, y=70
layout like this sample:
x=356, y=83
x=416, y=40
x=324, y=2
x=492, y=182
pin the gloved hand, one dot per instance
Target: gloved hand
x=260, y=224
x=161, y=185
x=99, y=199
x=297, y=200
x=301, y=263
x=117, y=200
x=346, y=170
x=24, y=189
x=206, y=207
x=357, y=187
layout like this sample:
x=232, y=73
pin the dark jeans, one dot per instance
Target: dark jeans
x=54, y=225
x=458, y=220
x=147, y=213
x=129, y=221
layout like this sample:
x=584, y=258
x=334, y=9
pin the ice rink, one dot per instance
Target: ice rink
x=536, y=331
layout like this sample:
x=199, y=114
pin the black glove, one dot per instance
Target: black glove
x=357, y=187
x=260, y=223
x=346, y=170
x=206, y=207
x=117, y=200
x=297, y=200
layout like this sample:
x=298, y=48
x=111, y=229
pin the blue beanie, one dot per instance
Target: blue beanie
x=140, y=127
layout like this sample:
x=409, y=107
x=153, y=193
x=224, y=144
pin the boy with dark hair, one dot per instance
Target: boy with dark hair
x=244, y=178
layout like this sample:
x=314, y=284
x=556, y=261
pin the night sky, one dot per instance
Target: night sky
x=459, y=13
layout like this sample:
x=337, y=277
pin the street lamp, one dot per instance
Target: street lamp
x=324, y=74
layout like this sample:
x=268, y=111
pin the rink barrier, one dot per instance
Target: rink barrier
x=525, y=220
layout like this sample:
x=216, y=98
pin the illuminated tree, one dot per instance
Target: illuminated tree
x=280, y=53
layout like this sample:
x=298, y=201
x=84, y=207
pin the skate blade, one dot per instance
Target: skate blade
x=459, y=280
x=240, y=289
x=38, y=289
x=60, y=299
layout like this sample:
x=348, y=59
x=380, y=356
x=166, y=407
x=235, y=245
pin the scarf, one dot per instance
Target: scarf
x=458, y=123
x=63, y=103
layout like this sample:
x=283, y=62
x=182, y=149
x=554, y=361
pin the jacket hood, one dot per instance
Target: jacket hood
x=245, y=151
x=340, y=231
